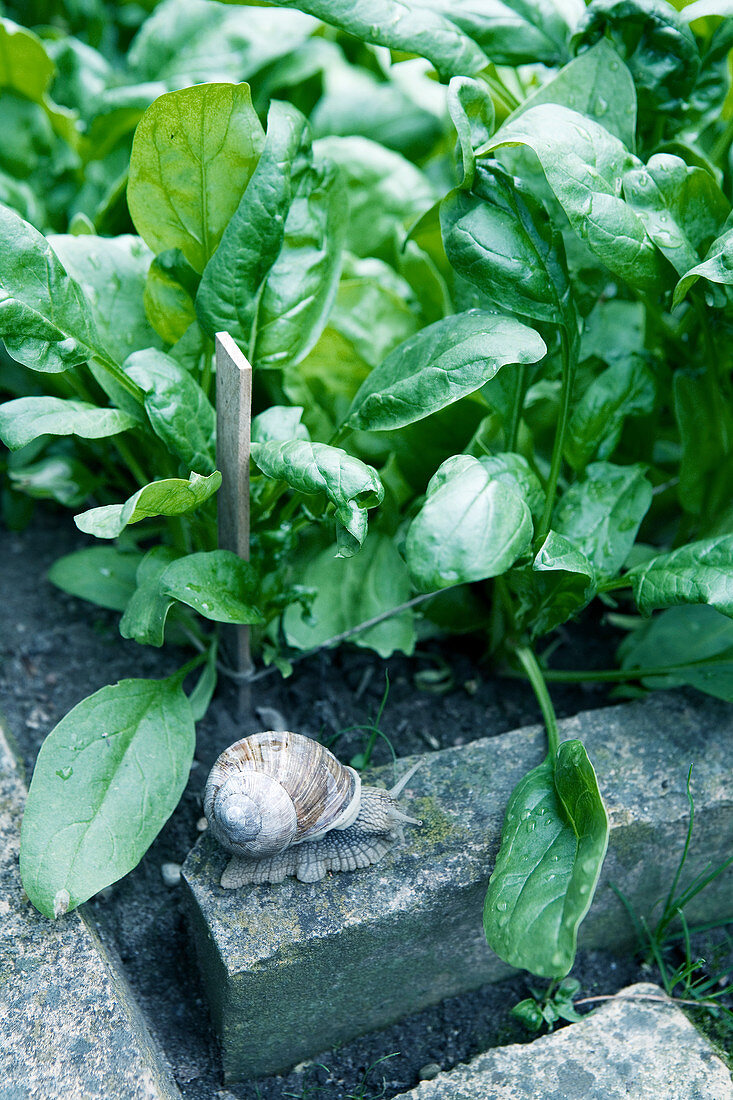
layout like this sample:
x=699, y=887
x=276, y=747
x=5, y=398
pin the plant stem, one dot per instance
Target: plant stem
x=531, y=666
x=338, y=638
x=568, y=377
x=617, y=675
x=500, y=89
x=205, y=382
x=130, y=461
x=120, y=378
x=647, y=997
x=517, y=406
x=722, y=142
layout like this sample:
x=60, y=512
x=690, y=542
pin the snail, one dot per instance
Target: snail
x=282, y=804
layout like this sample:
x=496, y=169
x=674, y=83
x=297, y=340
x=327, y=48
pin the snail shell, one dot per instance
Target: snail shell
x=282, y=804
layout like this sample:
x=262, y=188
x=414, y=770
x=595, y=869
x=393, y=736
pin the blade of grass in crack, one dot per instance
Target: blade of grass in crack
x=407, y=26
x=701, y=572
x=106, y=780
x=171, y=497
x=584, y=165
x=439, y=365
x=311, y=468
x=473, y=525
x=553, y=844
x=179, y=411
x=28, y=418
x=500, y=239
x=45, y=320
x=193, y=154
x=227, y=298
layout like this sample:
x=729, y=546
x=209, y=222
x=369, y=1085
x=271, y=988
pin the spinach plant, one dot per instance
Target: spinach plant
x=492, y=379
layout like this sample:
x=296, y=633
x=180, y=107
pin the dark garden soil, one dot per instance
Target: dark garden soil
x=56, y=650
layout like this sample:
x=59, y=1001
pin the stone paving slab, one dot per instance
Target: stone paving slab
x=69, y=1027
x=629, y=1049
x=294, y=969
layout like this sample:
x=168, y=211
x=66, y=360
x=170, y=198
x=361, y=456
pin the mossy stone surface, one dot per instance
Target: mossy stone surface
x=296, y=968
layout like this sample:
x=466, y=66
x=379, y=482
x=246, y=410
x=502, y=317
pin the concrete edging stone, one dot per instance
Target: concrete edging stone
x=293, y=969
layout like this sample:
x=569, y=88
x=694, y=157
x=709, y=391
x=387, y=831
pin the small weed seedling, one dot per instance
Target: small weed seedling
x=545, y=1009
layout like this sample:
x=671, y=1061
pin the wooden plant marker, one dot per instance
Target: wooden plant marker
x=233, y=433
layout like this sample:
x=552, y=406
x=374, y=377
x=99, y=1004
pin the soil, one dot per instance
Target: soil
x=57, y=650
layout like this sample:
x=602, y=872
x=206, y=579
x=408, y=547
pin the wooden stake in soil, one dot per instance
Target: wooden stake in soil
x=233, y=432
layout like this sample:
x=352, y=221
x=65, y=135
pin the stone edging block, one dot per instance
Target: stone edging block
x=69, y=1026
x=294, y=969
x=628, y=1049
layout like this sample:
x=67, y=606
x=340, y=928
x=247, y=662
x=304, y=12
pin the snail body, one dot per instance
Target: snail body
x=282, y=804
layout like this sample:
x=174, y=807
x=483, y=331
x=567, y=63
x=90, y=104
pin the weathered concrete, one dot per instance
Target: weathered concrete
x=293, y=969
x=69, y=1027
x=625, y=1050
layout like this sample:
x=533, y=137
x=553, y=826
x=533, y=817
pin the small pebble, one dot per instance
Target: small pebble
x=429, y=1072
x=171, y=873
x=303, y=1066
x=202, y=824
x=271, y=719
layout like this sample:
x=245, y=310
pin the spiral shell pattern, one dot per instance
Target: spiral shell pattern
x=284, y=788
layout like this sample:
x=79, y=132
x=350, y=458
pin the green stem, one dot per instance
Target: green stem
x=290, y=507
x=618, y=675
x=568, y=377
x=206, y=373
x=338, y=435
x=500, y=89
x=722, y=143
x=121, y=378
x=191, y=665
x=531, y=666
x=181, y=534
x=130, y=461
x=345, y=634
x=517, y=406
